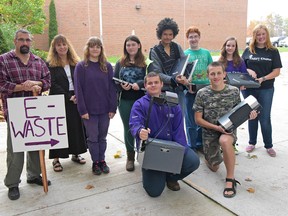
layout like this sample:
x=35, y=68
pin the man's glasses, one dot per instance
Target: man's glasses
x=22, y=40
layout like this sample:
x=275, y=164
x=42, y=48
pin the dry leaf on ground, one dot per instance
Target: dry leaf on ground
x=89, y=187
x=251, y=190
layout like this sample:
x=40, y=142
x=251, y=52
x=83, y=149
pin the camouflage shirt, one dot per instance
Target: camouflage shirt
x=215, y=104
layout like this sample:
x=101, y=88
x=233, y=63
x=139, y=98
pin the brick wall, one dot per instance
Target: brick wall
x=79, y=19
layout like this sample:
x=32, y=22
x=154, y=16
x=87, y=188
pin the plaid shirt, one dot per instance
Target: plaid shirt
x=13, y=72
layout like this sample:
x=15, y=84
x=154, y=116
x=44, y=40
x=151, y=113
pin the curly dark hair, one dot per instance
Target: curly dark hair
x=167, y=23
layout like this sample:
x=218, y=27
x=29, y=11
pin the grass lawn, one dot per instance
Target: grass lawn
x=114, y=59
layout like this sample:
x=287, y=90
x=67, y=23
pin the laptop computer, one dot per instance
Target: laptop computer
x=190, y=68
x=242, y=79
x=180, y=66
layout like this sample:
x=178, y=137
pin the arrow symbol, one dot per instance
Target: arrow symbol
x=51, y=142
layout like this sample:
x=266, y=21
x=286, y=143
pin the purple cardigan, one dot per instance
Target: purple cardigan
x=94, y=89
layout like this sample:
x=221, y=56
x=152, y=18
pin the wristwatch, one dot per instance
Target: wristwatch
x=263, y=78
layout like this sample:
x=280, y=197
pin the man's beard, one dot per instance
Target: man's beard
x=24, y=49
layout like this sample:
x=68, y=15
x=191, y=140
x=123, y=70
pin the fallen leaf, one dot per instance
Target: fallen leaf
x=88, y=187
x=118, y=154
x=251, y=156
x=251, y=190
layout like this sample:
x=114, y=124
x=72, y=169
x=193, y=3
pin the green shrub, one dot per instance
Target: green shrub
x=3, y=45
x=41, y=53
x=53, y=26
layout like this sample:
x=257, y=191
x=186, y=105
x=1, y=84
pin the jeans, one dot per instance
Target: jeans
x=181, y=100
x=154, y=181
x=194, y=132
x=265, y=98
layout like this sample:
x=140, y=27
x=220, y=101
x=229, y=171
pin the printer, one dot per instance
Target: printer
x=239, y=114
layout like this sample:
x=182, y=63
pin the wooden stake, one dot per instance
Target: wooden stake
x=42, y=163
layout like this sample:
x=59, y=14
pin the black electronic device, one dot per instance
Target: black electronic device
x=190, y=68
x=124, y=82
x=242, y=79
x=239, y=114
x=121, y=81
x=169, y=98
x=180, y=66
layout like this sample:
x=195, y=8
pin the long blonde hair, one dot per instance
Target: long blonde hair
x=54, y=59
x=95, y=41
x=268, y=43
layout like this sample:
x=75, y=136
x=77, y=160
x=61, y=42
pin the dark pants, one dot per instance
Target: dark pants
x=265, y=98
x=15, y=162
x=154, y=181
x=96, y=131
x=194, y=132
x=125, y=107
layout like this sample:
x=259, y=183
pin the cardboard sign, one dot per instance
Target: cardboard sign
x=37, y=123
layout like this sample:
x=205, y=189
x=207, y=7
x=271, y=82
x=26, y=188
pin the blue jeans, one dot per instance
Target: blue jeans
x=265, y=98
x=154, y=181
x=181, y=100
x=194, y=132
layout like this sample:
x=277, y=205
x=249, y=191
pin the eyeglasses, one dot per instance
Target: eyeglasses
x=193, y=37
x=22, y=40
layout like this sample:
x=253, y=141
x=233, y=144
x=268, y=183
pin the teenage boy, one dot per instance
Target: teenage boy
x=165, y=123
x=210, y=104
x=199, y=78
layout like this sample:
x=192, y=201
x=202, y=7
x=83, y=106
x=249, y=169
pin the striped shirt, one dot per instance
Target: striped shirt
x=169, y=61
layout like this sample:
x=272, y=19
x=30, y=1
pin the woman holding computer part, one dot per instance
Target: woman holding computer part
x=131, y=68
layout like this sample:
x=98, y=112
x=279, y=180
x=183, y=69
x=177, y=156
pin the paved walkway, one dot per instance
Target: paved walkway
x=76, y=191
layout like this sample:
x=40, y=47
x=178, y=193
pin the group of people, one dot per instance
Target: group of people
x=201, y=101
x=22, y=74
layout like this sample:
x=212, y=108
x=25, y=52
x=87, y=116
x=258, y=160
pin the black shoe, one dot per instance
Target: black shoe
x=37, y=181
x=200, y=149
x=104, y=168
x=96, y=168
x=173, y=185
x=13, y=193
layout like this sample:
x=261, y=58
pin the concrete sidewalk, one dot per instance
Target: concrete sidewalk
x=121, y=193
x=117, y=193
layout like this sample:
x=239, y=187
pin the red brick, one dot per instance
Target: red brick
x=79, y=19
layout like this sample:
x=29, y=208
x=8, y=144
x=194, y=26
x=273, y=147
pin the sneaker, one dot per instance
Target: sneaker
x=96, y=168
x=13, y=193
x=104, y=167
x=173, y=185
x=271, y=152
x=250, y=148
x=38, y=181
